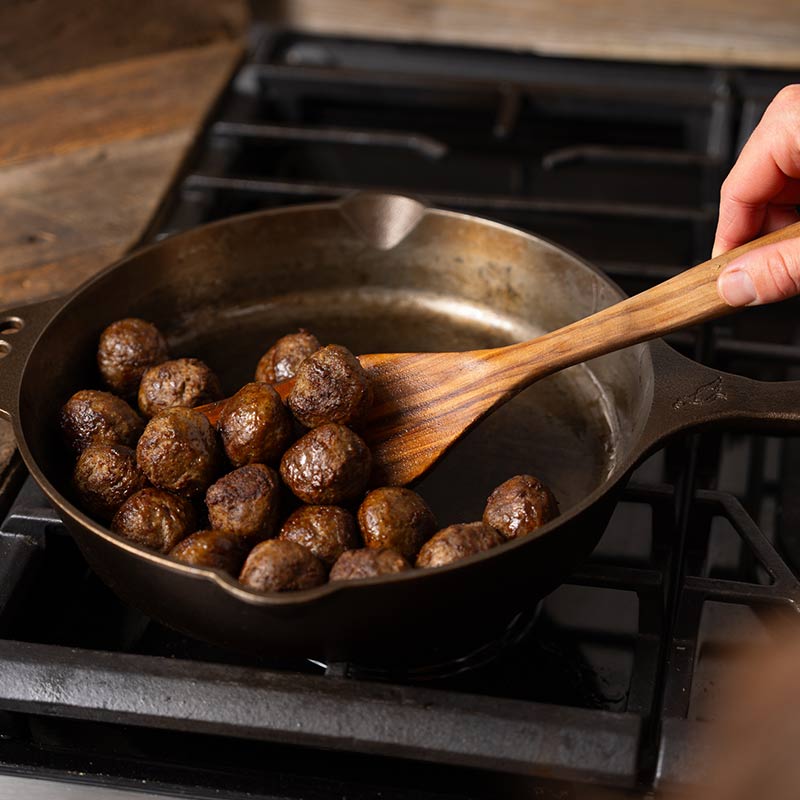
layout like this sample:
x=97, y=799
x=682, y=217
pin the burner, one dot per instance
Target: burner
x=477, y=659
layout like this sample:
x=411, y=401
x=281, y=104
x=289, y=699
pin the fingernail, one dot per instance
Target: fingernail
x=736, y=288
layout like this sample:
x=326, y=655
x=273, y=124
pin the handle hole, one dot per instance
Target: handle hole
x=5, y=349
x=10, y=325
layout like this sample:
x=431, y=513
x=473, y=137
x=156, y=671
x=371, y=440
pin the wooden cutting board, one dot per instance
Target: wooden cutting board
x=86, y=157
x=764, y=33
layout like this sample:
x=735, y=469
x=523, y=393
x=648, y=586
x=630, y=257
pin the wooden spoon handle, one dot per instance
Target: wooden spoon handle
x=686, y=299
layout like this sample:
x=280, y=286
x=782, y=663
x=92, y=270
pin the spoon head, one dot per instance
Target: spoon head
x=424, y=403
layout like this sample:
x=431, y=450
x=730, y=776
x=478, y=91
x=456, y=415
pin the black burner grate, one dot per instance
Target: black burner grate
x=610, y=683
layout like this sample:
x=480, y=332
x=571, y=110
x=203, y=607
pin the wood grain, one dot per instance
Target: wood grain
x=62, y=219
x=130, y=100
x=48, y=37
x=84, y=193
x=740, y=32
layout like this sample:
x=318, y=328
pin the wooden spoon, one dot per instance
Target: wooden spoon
x=425, y=402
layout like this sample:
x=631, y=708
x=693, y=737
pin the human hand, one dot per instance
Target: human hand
x=761, y=195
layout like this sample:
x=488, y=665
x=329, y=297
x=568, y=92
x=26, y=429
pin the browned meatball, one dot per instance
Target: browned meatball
x=178, y=451
x=327, y=531
x=155, y=518
x=280, y=566
x=284, y=358
x=217, y=549
x=331, y=386
x=456, y=542
x=265, y=372
x=127, y=348
x=92, y=417
x=368, y=563
x=105, y=476
x=396, y=518
x=255, y=426
x=520, y=505
x=328, y=466
x=245, y=502
x=184, y=382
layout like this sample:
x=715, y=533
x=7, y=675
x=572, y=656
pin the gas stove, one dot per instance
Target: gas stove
x=608, y=689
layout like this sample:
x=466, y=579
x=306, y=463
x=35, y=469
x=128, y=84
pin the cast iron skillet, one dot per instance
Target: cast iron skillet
x=376, y=273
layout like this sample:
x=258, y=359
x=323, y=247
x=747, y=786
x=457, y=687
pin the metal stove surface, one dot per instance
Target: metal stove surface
x=606, y=691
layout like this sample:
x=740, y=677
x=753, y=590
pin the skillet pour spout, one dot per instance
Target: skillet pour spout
x=442, y=282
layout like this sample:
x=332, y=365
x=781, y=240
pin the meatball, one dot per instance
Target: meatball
x=396, y=518
x=155, y=519
x=331, y=386
x=284, y=358
x=456, y=542
x=520, y=505
x=327, y=531
x=92, y=417
x=245, y=502
x=105, y=476
x=368, y=563
x=184, y=382
x=127, y=348
x=217, y=549
x=281, y=566
x=328, y=466
x=254, y=425
x=178, y=451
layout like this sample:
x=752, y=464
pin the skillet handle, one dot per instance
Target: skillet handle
x=688, y=395
x=20, y=329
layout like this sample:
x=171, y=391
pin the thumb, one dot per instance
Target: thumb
x=761, y=276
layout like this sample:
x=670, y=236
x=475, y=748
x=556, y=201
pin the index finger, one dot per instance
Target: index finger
x=763, y=173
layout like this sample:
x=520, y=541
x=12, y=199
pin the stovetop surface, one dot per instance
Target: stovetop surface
x=610, y=683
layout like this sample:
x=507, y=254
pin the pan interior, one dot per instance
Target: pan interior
x=225, y=293
x=562, y=429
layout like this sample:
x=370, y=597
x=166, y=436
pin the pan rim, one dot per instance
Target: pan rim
x=307, y=597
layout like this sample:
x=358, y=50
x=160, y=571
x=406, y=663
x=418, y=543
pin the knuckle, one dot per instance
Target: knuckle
x=783, y=113
x=726, y=189
x=730, y=193
x=783, y=270
x=788, y=96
